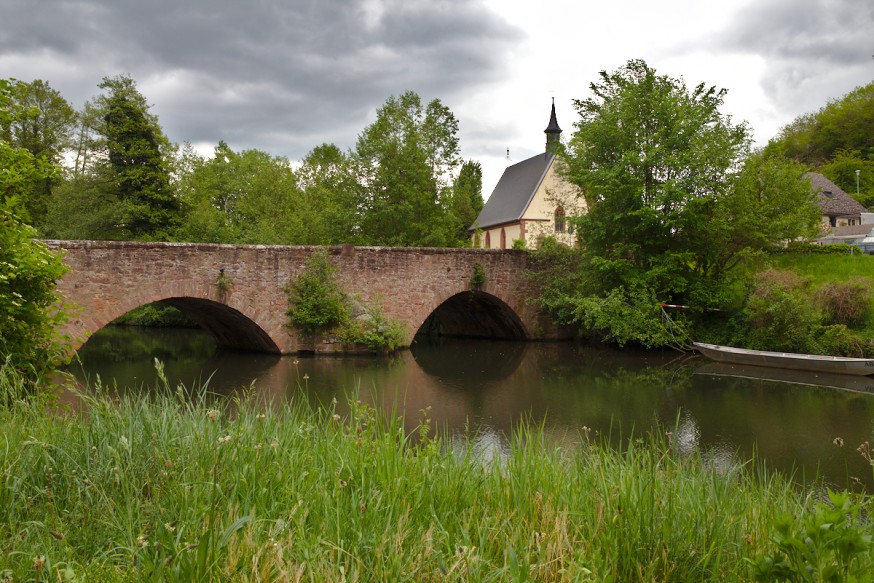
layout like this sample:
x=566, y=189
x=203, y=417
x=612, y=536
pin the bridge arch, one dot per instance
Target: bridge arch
x=474, y=314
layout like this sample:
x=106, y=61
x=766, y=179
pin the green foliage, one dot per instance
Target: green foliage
x=467, y=198
x=373, y=330
x=677, y=208
x=155, y=315
x=479, y=277
x=137, y=152
x=785, y=312
x=519, y=244
x=654, y=157
x=405, y=162
x=628, y=316
x=83, y=207
x=39, y=121
x=841, y=170
x=30, y=307
x=844, y=124
x=796, y=247
x=779, y=314
x=327, y=210
x=316, y=302
x=831, y=542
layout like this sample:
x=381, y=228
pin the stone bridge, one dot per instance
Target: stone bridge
x=416, y=286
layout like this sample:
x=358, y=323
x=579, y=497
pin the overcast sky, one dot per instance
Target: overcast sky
x=287, y=75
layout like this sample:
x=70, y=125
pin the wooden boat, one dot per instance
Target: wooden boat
x=789, y=360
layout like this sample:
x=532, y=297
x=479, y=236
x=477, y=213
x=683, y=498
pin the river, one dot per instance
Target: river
x=487, y=388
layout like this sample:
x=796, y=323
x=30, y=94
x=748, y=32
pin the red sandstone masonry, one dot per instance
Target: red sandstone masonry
x=109, y=278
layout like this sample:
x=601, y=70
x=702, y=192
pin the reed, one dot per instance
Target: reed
x=183, y=487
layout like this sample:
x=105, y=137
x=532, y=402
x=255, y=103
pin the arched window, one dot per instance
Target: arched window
x=559, y=220
x=488, y=240
x=503, y=239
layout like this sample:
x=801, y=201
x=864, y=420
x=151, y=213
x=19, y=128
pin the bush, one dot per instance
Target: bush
x=375, y=331
x=778, y=314
x=30, y=307
x=815, y=249
x=844, y=303
x=317, y=302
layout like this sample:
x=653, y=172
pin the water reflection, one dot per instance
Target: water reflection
x=486, y=389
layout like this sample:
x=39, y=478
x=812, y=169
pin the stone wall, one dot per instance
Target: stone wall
x=108, y=279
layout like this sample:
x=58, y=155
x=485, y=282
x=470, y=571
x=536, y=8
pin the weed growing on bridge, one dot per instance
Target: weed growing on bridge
x=318, y=305
x=479, y=277
x=181, y=489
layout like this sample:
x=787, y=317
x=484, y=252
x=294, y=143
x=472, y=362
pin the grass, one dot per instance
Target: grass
x=826, y=268
x=182, y=488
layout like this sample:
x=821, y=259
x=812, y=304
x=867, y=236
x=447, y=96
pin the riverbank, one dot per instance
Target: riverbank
x=179, y=488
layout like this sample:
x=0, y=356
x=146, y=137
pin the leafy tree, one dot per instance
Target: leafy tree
x=406, y=161
x=467, y=195
x=137, y=152
x=327, y=178
x=652, y=157
x=40, y=121
x=675, y=202
x=28, y=270
x=240, y=197
x=85, y=207
x=845, y=124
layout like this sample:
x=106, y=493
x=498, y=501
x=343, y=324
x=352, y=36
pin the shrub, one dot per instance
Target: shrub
x=478, y=279
x=837, y=340
x=813, y=248
x=30, y=309
x=318, y=304
x=316, y=301
x=375, y=331
x=778, y=314
x=844, y=303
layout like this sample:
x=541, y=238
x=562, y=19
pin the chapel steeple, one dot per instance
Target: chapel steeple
x=552, y=131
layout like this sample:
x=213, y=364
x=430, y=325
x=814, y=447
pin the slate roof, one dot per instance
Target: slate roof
x=833, y=201
x=514, y=191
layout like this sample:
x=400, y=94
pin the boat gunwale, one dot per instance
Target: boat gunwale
x=810, y=362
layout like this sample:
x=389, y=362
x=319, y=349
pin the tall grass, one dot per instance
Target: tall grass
x=181, y=489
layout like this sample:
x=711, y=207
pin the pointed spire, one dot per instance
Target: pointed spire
x=552, y=131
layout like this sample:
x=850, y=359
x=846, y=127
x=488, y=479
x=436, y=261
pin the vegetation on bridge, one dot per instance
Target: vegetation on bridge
x=318, y=305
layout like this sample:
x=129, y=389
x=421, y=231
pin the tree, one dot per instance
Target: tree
x=240, y=197
x=137, y=152
x=674, y=199
x=406, y=161
x=40, y=121
x=327, y=178
x=467, y=195
x=845, y=124
x=652, y=157
x=28, y=270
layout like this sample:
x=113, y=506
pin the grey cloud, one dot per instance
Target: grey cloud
x=803, y=43
x=266, y=74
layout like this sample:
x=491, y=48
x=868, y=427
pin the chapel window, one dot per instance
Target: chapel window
x=559, y=220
